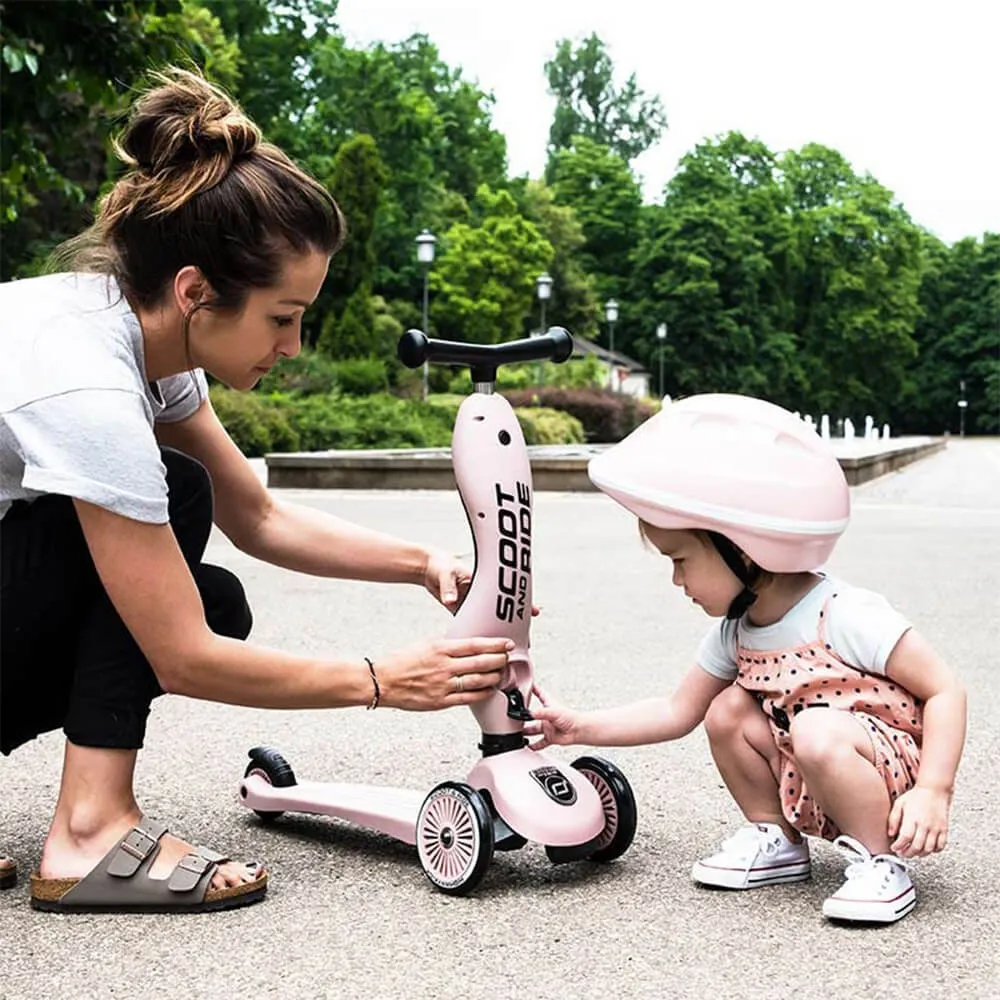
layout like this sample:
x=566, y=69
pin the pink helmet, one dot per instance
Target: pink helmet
x=744, y=468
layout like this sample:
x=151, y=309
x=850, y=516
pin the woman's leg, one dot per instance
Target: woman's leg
x=835, y=756
x=747, y=757
x=106, y=700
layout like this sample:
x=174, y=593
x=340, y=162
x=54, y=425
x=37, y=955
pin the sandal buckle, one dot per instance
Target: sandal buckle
x=138, y=843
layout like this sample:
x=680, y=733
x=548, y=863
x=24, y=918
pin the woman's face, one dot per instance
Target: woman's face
x=240, y=349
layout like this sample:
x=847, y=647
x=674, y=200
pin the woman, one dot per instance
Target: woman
x=113, y=467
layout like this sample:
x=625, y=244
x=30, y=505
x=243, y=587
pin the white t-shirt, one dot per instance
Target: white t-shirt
x=861, y=626
x=76, y=410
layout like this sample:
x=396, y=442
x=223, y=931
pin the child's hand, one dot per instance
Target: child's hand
x=557, y=726
x=919, y=822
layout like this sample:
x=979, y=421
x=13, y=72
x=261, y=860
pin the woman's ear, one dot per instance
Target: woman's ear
x=190, y=289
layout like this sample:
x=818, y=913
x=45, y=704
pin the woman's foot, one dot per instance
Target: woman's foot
x=73, y=850
x=8, y=873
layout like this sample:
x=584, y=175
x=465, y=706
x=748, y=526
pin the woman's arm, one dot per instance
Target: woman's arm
x=286, y=534
x=652, y=720
x=149, y=583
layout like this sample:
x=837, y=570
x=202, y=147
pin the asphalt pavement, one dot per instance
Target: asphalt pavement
x=350, y=914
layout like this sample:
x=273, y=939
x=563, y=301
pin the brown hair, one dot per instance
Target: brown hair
x=202, y=188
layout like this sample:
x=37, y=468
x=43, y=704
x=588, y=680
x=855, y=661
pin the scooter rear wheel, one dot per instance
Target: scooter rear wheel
x=268, y=764
x=620, y=813
x=455, y=840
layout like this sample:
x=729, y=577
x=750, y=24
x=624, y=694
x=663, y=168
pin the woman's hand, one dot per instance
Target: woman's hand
x=447, y=579
x=918, y=822
x=442, y=673
x=557, y=726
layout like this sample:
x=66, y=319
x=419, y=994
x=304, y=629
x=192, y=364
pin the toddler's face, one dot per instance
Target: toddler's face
x=698, y=568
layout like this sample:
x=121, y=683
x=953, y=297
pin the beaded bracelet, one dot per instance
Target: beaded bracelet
x=377, y=694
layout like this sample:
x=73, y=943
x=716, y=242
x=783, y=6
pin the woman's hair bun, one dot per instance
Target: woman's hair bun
x=183, y=122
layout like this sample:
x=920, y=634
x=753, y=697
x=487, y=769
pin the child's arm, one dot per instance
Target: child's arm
x=919, y=818
x=652, y=720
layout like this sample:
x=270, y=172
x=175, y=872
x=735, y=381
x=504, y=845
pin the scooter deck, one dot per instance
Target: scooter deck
x=392, y=811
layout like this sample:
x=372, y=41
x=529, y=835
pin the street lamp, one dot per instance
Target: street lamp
x=661, y=336
x=611, y=315
x=543, y=285
x=425, y=255
x=962, y=406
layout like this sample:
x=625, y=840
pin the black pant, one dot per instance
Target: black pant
x=66, y=658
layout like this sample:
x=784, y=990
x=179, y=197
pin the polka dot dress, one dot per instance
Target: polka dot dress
x=789, y=681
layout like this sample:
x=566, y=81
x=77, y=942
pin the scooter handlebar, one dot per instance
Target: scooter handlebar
x=415, y=347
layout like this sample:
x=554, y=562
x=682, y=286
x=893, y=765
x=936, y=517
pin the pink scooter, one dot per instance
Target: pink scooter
x=513, y=794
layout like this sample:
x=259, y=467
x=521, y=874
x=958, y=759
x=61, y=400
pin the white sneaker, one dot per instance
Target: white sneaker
x=755, y=855
x=877, y=887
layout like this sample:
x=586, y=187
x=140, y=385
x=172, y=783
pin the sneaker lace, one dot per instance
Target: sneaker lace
x=862, y=861
x=747, y=843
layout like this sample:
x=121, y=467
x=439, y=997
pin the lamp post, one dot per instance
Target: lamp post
x=425, y=255
x=963, y=404
x=661, y=336
x=543, y=287
x=611, y=315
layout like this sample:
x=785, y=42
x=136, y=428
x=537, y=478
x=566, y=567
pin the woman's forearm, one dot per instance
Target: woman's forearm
x=241, y=673
x=310, y=541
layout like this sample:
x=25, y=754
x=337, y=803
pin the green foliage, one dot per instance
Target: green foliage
x=378, y=421
x=542, y=425
x=606, y=199
x=588, y=103
x=66, y=67
x=254, y=422
x=788, y=276
x=485, y=281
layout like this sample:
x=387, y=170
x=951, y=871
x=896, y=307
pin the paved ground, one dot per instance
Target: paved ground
x=351, y=916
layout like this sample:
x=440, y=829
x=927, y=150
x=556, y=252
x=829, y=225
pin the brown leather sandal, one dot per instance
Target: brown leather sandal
x=120, y=882
x=8, y=873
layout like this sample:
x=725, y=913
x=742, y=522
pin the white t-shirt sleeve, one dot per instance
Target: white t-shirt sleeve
x=182, y=395
x=95, y=445
x=717, y=652
x=863, y=628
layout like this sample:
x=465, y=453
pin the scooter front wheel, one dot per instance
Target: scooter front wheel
x=455, y=837
x=268, y=764
x=618, y=801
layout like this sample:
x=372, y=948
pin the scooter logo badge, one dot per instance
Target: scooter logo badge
x=555, y=785
x=513, y=551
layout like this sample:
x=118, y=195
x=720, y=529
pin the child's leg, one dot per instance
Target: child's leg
x=747, y=757
x=836, y=758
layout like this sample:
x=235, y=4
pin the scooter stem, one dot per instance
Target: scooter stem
x=493, y=473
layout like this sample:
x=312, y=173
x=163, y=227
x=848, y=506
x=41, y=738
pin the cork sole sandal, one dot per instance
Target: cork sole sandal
x=8, y=873
x=120, y=882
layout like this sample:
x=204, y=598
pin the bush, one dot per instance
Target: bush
x=378, y=421
x=361, y=376
x=254, y=422
x=606, y=417
x=544, y=426
x=307, y=373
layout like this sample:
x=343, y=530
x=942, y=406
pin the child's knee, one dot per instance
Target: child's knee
x=731, y=712
x=822, y=737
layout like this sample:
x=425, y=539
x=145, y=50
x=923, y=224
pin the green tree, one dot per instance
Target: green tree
x=855, y=286
x=484, y=282
x=958, y=336
x=574, y=300
x=589, y=103
x=357, y=178
x=606, y=200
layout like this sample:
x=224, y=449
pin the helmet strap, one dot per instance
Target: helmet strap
x=747, y=575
